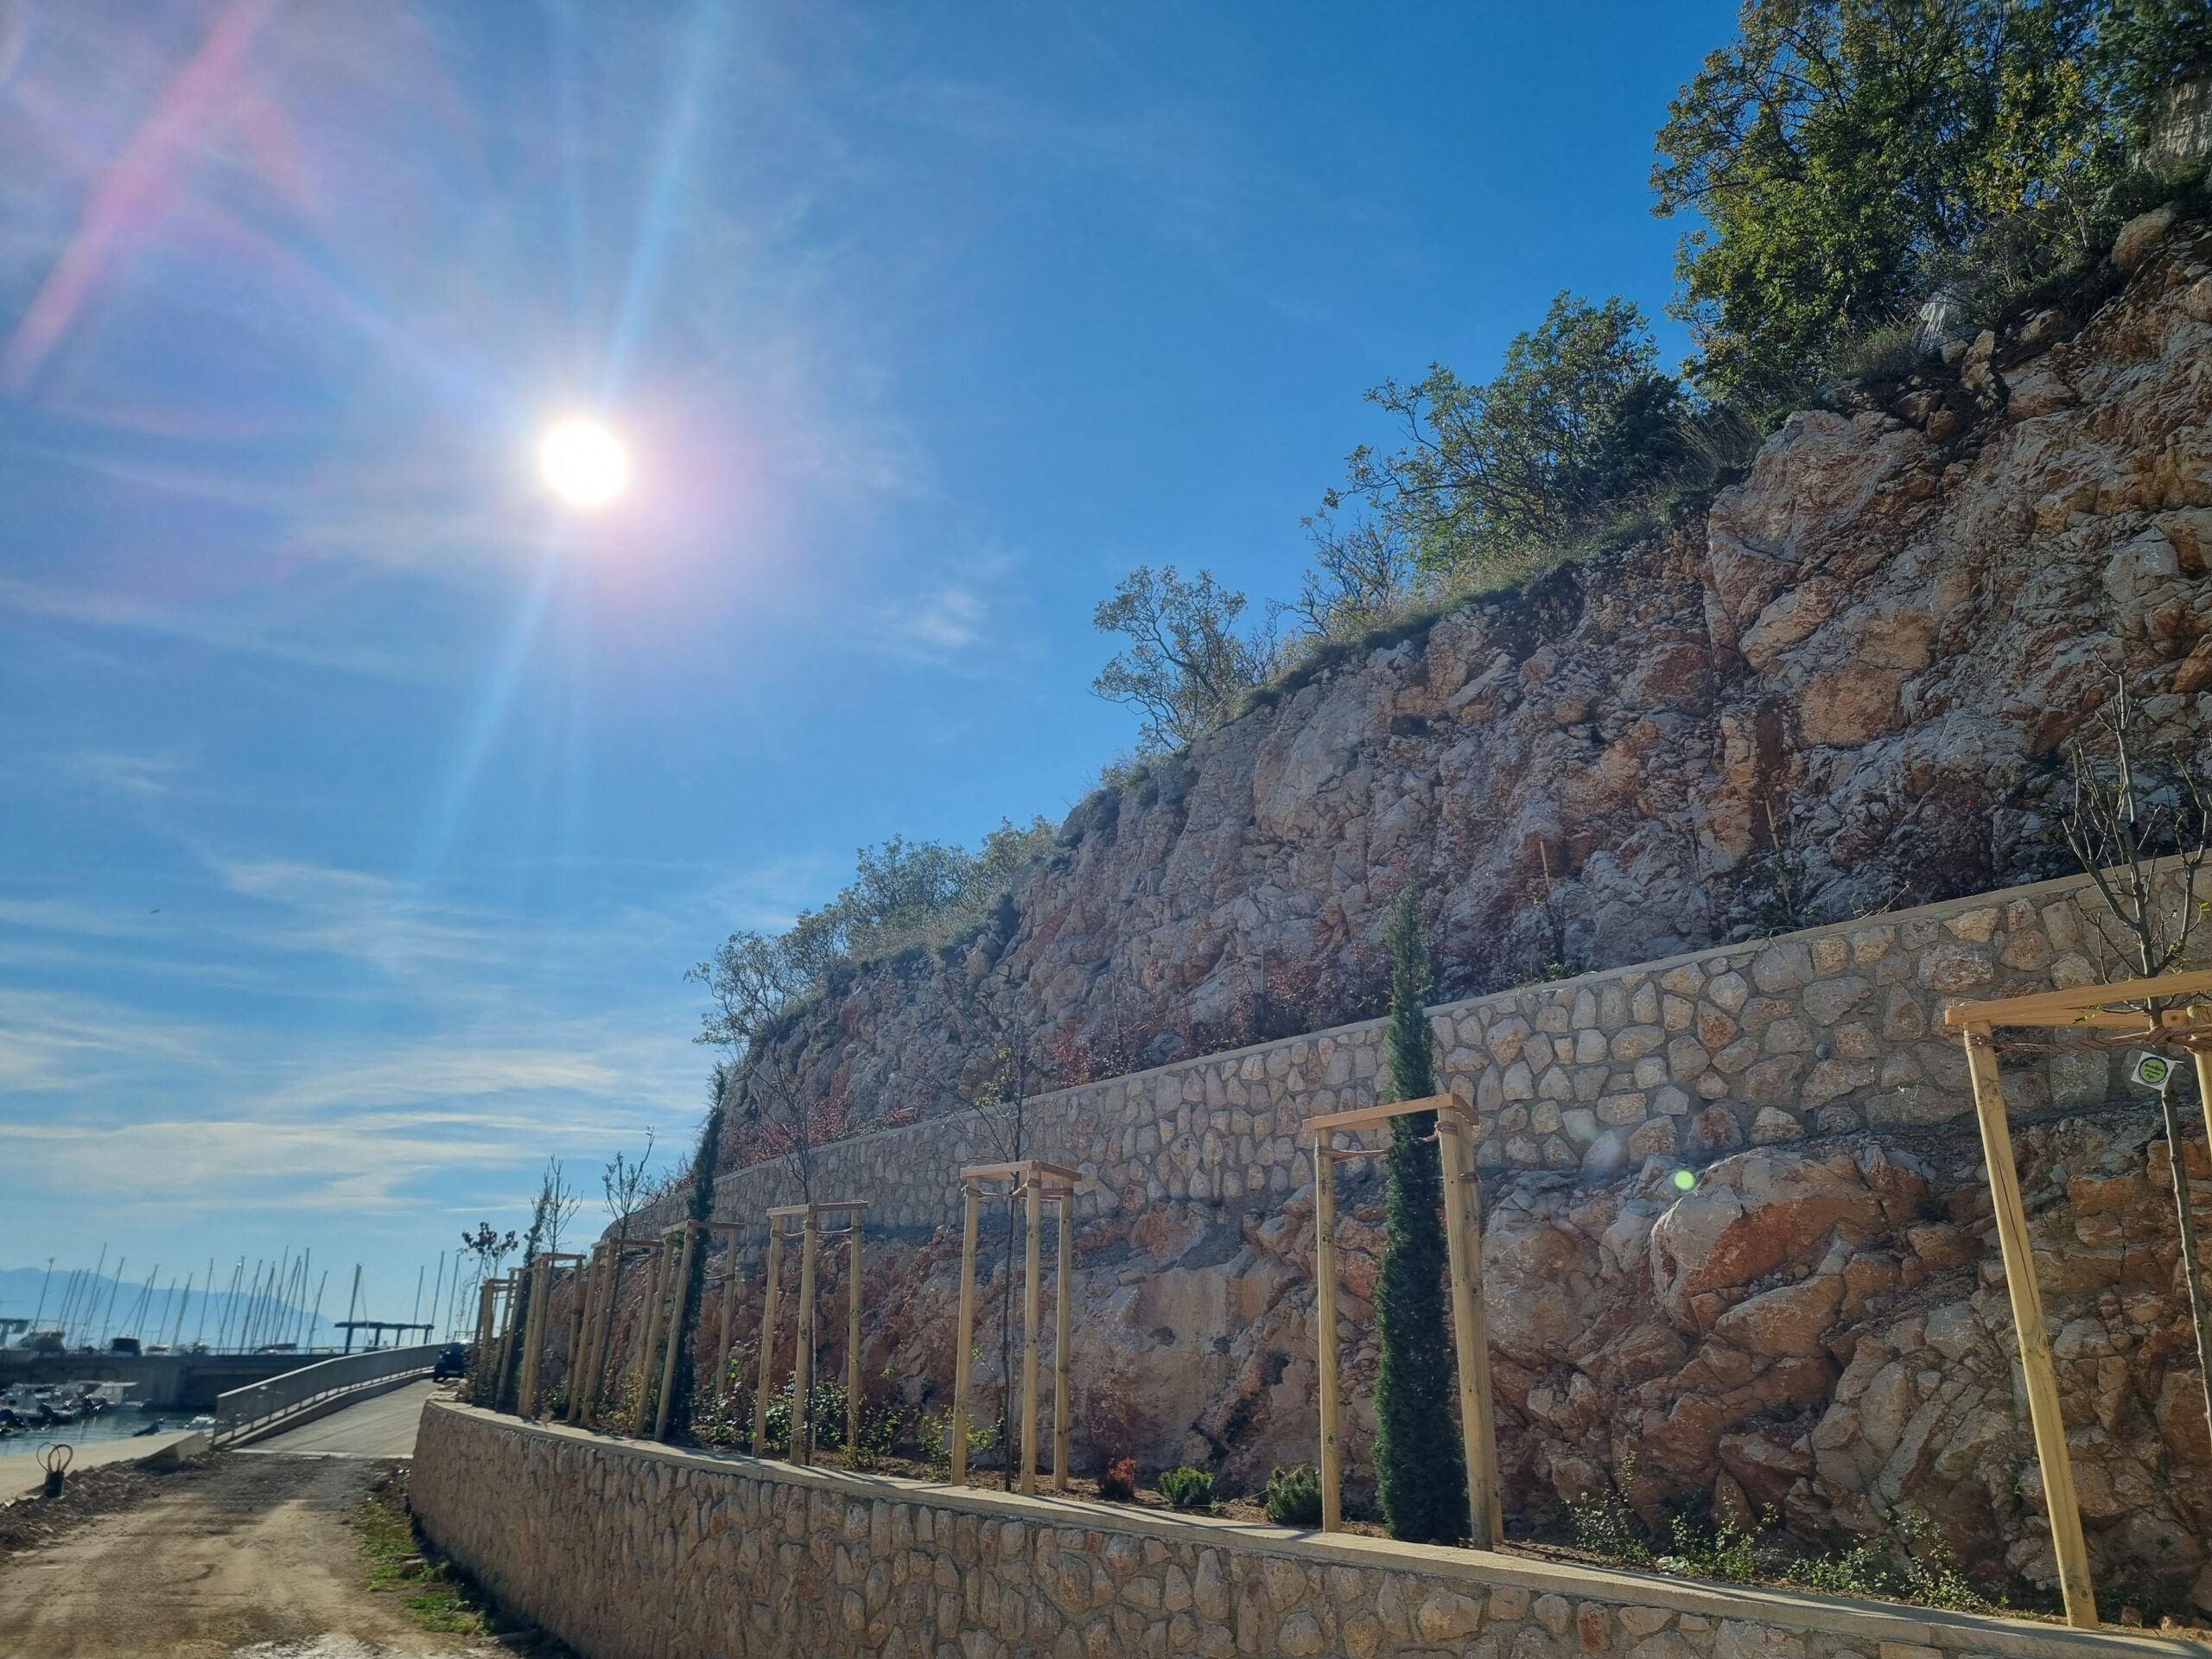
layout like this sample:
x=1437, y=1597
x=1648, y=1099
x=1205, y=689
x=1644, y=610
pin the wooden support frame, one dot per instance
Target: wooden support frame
x=540, y=1272
x=680, y=1295
x=511, y=1288
x=487, y=1325
x=663, y=1345
x=575, y=1366
x=1976, y=1024
x=1040, y=1183
x=587, y=1331
x=1470, y=1311
x=767, y=1340
x=811, y=1234
x=729, y=1282
x=600, y=1344
x=648, y=1337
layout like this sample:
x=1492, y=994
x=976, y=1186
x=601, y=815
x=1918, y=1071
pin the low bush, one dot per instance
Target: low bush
x=933, y=1437
x=1119, y=1483
x=1295, y=1497
x=1187, y=1487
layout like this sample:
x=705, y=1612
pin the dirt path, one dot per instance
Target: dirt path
x=250, y=1558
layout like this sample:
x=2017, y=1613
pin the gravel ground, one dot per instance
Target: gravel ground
x=231, y=1558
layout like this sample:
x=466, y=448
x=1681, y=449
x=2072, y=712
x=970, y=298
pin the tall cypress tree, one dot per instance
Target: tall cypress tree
x=701, y=1208
x=1421, y=1469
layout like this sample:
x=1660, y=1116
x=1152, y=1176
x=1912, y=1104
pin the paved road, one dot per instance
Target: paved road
x=381, y=1427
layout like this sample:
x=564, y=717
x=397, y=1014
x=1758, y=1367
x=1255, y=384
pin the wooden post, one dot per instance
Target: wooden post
x=676, y=1355
x=973, y=1197
x=853, y=1385
x=2201, y=1015
x=2068, y=1549
x=767, y=1339
x=1469, y=1331
x=803, y=1369
x=533, y=1333
x=729, y=1331
x=584, y=1395
x=602, y=1347
x=649, y=1344
x=574, y=1369
x=1325, y=1316
x=602, y=1338
x=1032, y=1315
x=506, y=1337
x=1061, y=1373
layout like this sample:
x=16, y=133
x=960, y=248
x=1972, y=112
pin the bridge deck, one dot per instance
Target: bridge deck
x=380, y=1427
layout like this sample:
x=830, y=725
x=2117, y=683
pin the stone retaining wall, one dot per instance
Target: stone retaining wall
x=630, y=1551
x=1811, y=1034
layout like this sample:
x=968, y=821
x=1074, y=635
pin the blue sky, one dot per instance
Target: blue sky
x=359, y=812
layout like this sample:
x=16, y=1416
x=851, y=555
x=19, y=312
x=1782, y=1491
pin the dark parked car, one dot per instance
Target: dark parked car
x=453, y=1363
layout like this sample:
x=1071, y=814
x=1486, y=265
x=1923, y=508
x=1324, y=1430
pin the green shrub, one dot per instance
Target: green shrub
x=1604, y=1525
x=933, y=1437
x=1187, y=1487
x=1295, y=1497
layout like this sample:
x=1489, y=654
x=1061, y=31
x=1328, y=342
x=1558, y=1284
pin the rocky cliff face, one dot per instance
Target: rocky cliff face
x=1840, y=685
x=1815, y=1339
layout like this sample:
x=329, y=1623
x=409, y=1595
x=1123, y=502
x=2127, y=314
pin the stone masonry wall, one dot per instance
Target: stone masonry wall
x=629, y=1551
x=1815, y=1331
x=1815, y=1033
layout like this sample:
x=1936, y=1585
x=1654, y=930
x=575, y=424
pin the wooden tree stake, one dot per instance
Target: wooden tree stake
x=1470, y=1330
x=683, y=1301
x=729, y=1331
x=580, y=1338
x=972, y=1207
x=1470, y=1327
x=803, y=1371
x=582, y=1293
x=1033, y=1316
x=507, y=1318
x=1325, y=1318
x=2068, y=1547
x=649, y=1338
x=853, y=1389
x=1062, y=1305
x=1037, y=1180
x=767, y=1339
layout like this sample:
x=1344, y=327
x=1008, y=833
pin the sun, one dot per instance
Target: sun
x=583, y=463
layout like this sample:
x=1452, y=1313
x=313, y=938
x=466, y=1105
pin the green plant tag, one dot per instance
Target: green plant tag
x=2152, y=1071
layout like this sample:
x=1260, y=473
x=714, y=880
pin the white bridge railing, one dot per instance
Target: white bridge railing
x=260, y=1407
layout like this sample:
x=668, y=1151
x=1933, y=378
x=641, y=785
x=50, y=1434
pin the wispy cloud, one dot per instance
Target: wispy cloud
x=280, y=643
x=934, y=627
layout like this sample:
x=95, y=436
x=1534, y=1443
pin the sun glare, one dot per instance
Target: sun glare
x=583, y=463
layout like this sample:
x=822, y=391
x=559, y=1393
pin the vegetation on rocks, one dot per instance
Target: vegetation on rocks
x=1849, y=160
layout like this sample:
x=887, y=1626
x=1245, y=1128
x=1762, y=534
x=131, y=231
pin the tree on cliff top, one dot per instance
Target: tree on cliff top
x=1844, y=157
x=1577, y=421
x=1185, y=665
x=1421, y=1467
